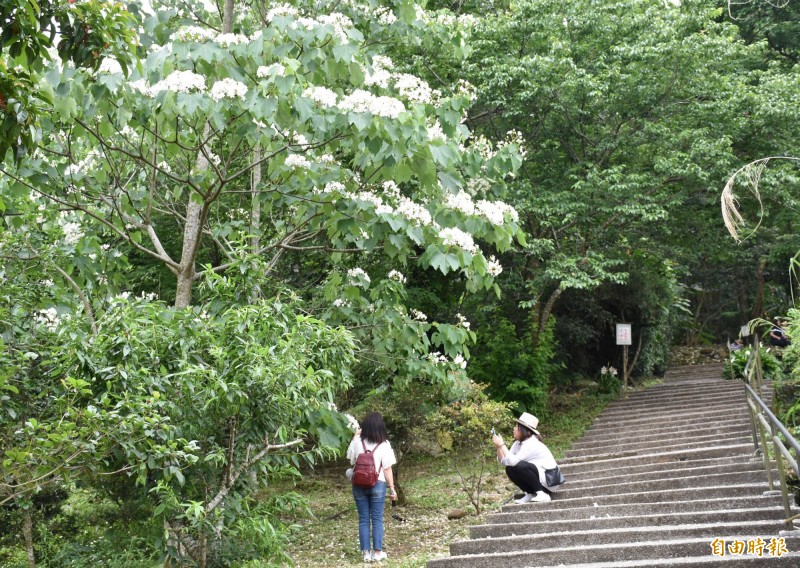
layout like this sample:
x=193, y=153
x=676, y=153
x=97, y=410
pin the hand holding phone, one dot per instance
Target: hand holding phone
x=494, y=432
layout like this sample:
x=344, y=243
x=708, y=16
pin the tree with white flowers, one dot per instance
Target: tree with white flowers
x=226, y=154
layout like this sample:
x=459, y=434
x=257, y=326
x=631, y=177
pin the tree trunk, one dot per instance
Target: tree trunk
x=255, y=211
x=27, y=531
x=758, y=301
x=192, y=232
x=542, y=315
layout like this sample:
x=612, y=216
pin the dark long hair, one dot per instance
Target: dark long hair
x=373, y=429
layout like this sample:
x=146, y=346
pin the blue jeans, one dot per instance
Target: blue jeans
x=369, y=503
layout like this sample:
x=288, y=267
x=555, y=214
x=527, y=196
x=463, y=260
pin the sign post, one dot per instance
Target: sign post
x=624, y=337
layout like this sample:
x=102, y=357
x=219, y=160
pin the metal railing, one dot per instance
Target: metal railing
x=767, y=428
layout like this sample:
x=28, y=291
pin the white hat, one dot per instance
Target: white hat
x=529, y=421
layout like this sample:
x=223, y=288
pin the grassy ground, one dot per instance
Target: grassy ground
x=420, y=530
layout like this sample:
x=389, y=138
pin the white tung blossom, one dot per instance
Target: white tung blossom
x=281, y=10
x=227, y=40
x=352, y=423
x=460, y=201
x=276, y=69
x=453, y=236
x=297, y=161
x=358, y=274
x=340, y=303
x=435, y=132
x=364, y=101
x=418, y=315
x=177, y=82
x=496, y=211
x=462, y=321
x=195, y=33
x=414, y=212
x=397, y=276
x=322, y=96
x=228, y=89
x=413, y=88
x=460, y=361
x=48, y=318
x=339, y=22
x=493, y=266
x=72, y=233
x=110, y=66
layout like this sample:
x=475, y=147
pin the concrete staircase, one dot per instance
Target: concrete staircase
x=659, y=476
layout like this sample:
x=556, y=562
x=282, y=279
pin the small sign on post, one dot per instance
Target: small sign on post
x=624, y=334
x=624, y=338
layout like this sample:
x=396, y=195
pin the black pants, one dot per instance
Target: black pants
x=525, y=475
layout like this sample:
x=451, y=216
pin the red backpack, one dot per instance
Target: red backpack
x=364, y=472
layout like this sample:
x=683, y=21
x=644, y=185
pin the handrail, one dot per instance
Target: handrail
x=764, y=420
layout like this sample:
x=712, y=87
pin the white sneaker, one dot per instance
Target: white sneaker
x=524, y=499
x=540, y=497
x=368, y=556
x=378, y=556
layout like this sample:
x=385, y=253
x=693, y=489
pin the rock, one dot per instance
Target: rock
x=457, y=514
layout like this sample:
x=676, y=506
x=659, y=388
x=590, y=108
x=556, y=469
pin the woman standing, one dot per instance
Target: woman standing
x=372, y=437
x=527, y=459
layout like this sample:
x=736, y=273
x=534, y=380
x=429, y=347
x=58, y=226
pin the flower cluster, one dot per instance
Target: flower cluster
x=397, y=276
x=352, y=423
x=608, y=371
x=339, y=22
x=460, y=361
x=322, y=96
x=418, y=315
x=414, y=212
x=227, y=40
x=228, y=89
x=194, y=33
x=462, y=321
x=297, y=161
x=72, y=233
x=281, y=10
x=110, y=66
x=435, y=132
x=414, y=89
x=380, y=74
x=514, y=137
x=48, y=318
x=493, y=266
x=177, y=82
x=340, y=303
x=496, y=211
x=437, y=358
x=466, y=89
x=358, y=274
x=453, y=236
x=364, y=101
x=460, y=201
x=265, y=72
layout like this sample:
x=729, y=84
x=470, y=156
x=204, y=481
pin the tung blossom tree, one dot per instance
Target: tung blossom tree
x=223, y=155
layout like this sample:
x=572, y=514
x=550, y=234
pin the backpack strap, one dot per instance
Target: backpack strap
x=380, y=463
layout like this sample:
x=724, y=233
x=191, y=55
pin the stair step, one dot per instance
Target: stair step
x=539, y=526
x=607, y=461
x=661, y=550
x=522, y=514
x=615, y=535
x=722, y=427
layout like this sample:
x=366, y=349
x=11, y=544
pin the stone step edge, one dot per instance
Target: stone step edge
x=621, y=530
x=750, y=560
x=770, y=498
x=679, y=418
x=773, y=509
x=789, y=535
x=611, y=458
x=690, y=440
x=636, y=452
x=760, y=488
x=599, y=481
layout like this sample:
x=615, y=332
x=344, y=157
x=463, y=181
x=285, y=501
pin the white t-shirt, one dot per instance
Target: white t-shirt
x=382, y=453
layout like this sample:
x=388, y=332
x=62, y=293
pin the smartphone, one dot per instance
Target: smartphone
x=494, y=433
